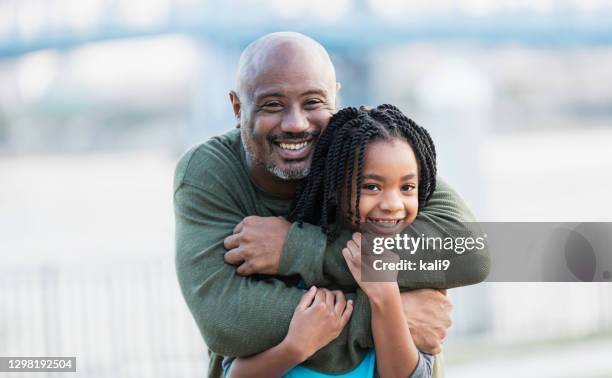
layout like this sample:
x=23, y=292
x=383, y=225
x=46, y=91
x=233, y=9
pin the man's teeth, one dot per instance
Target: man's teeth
x=293, y=146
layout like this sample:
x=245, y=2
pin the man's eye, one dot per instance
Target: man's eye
x=408, y=187
x=313, y=103
x=372, y=187
x=272, y=106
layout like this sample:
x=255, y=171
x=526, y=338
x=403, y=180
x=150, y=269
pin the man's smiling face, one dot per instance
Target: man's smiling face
x=290, y=108
x=287, y=99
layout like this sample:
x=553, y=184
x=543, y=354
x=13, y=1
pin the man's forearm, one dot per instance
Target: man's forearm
x=234, y=313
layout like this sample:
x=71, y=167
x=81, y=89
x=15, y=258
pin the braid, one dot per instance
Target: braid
x=360, y=157
x=423, y=147
x=312, y=188
x=349, y=160
x=339, y=158
x=335, y=157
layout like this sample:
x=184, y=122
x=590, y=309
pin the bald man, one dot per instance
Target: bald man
x=237, y=259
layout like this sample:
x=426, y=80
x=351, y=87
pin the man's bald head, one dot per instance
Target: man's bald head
x=286, y=93
x=277, y=50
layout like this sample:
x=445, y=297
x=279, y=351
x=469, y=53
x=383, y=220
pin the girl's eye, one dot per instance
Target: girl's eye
x=408, y=187
x=372, y=187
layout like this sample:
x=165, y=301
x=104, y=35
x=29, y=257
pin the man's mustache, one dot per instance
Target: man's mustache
x=293, y=136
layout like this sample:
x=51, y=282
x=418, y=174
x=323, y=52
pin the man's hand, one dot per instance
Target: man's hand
x=428, y=312
x=257, y=244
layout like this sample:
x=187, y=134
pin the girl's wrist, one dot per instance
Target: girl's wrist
x=294, y=350
x=386, y=294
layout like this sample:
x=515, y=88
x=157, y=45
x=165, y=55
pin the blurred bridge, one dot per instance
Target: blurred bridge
x=31, y=25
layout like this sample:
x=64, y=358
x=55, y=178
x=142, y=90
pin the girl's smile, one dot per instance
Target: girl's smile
x=389, y=191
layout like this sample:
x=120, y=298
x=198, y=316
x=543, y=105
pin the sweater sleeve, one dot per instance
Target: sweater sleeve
x=445, y=215
x=241, y=316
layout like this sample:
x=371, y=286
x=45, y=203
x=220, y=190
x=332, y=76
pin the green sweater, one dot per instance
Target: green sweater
x=241, y=316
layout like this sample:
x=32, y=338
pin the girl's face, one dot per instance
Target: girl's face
x=389, y=191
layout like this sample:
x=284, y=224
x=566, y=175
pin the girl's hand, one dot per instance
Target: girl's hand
x=318, y=319
x=374, y=290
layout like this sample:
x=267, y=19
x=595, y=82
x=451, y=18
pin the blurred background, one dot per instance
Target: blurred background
x=98, y=99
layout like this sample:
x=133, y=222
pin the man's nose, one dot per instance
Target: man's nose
x=294, y=121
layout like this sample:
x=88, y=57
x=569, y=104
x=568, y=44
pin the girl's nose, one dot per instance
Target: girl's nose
x=391, y=202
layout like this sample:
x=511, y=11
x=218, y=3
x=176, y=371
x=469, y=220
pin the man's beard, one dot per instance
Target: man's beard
x=283, y=174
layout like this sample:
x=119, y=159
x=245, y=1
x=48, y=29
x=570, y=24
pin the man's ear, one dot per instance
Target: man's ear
x=235, y=106
x=337, y=104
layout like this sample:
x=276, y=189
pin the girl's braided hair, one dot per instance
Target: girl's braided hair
x=339, y=156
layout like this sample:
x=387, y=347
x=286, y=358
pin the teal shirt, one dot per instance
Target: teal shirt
x=365, y=369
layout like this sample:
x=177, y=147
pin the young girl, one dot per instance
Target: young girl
x=371, y=170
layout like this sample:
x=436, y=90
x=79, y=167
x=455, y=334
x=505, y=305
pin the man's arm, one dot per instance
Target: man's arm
x=257, y=247
x=445, y=215
x=318, y=319
x=241, y=316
